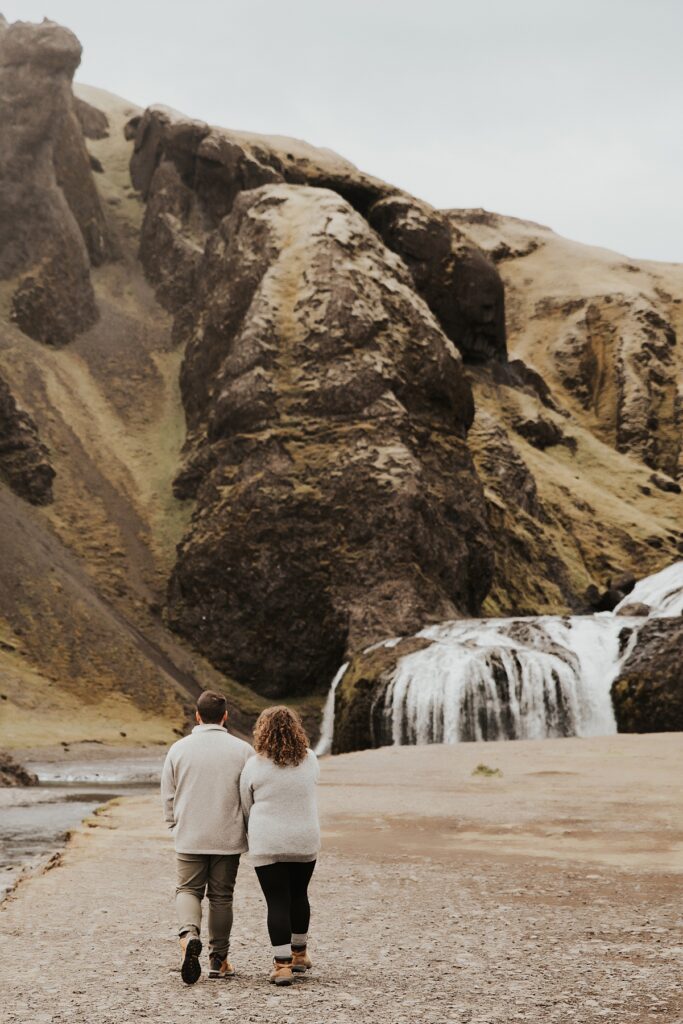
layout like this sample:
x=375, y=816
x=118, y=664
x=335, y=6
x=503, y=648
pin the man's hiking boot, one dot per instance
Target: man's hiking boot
x=282, y=972
x=219, y=969
x=301, y=961
x=191, y=969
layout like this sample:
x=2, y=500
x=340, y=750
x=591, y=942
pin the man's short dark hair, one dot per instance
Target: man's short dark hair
x=211, y=707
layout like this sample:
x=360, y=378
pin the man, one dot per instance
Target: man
x=201, y=797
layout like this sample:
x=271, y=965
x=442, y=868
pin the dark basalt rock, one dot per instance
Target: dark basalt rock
x=623, y=581
x=461, y=287
x=49, y=210
x=14, y=774
x=648, y=695
x=662, y=483
x=337, y=502
x=543, y=433
x=516, y=374
x=24, y=459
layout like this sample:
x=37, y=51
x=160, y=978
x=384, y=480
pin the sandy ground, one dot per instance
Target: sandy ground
x=548, y=893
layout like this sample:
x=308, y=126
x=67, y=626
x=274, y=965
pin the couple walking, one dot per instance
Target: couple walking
x=222, y=797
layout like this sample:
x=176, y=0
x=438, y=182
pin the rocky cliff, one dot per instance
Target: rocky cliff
x=287, y=409
x=51, y=222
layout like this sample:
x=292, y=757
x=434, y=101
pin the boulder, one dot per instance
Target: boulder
x=543, y=433
x=42, y=238
x=24, y=459
x=662, y=483
x=648, y=694
x=14, y=774
x=636, y=609
x=327, y=413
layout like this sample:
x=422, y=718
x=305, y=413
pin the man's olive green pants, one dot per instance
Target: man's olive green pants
x=213, y=875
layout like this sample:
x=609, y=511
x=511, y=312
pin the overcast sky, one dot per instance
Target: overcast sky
x=567, y=113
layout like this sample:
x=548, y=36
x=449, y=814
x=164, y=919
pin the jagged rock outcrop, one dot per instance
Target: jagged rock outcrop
x=648, y=695
x=190, y=175
x=461, y=287
x=50, y=217
x=24, y=459
x=337, y=502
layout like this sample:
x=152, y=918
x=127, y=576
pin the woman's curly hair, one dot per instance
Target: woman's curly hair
x=280, y=736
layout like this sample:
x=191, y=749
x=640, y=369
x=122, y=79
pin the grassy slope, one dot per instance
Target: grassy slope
x=601, y=519
x=81, y=581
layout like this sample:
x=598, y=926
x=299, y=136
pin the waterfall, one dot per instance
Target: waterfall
x=324, y=745
x=663, y=592
x=513, y=678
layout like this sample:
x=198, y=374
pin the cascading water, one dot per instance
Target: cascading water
x=526, y=678
x=327, y=725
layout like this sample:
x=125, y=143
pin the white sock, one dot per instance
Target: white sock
x=299, y=938
x=283, y=952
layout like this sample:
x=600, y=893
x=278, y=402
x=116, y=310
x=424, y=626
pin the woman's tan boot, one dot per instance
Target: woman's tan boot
x=301, y=961
x=282, y=972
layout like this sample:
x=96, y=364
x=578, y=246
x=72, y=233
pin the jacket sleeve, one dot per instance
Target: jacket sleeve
x=246, y=792
x=316, y=765
x=168, y=791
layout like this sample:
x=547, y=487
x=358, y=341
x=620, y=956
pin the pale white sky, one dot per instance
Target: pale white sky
x=567, y=113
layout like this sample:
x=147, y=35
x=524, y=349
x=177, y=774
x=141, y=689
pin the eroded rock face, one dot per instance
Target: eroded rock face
x=24, y=459
x=44, y=167
x=617, y=357
x=648, y=695
x=337, y=502
x=190, y=175
x=461, y=287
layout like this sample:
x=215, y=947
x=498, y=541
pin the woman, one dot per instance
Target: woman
x=279, y=803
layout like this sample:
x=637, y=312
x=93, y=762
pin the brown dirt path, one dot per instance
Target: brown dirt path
x=421, y=912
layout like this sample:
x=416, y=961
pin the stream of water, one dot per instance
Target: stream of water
x=35, y=820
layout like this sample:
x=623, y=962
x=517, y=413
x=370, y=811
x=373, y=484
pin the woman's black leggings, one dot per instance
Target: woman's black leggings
x=285, y=886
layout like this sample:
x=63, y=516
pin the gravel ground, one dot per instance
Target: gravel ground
x=399, y=936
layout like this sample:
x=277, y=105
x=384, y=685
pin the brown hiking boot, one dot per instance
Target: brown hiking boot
x=301, y=961
x=219, y=969
x=282, y=972
x=190, y=968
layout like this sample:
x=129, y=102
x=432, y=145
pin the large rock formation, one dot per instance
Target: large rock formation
x=648, y=695
x=327, y=411
x=190, y=175
x=24, y=459
x=50, y=216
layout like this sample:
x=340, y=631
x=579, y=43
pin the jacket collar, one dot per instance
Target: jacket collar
x=206, y=727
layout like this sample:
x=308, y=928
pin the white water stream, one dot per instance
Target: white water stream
x=524, y=678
